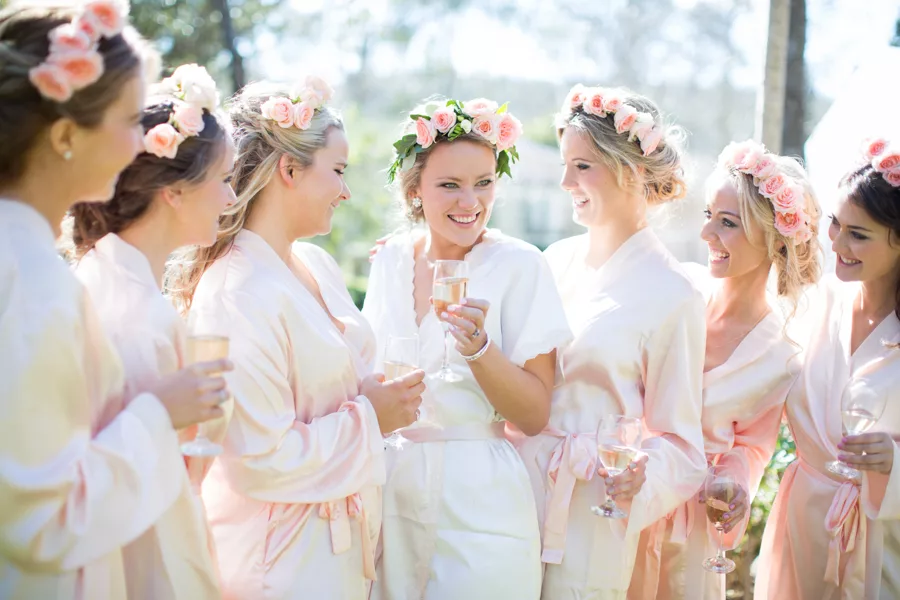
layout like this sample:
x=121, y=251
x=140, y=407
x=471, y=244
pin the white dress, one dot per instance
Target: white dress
x=172, y=560
x=640, y=332
x=293, y=503
x=80, y=476
x=459, y=517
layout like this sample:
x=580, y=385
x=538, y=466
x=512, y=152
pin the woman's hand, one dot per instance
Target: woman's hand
x=629, y=482
x=396, y=402
x=737, y=508
x=467, y=324
x=868, y=452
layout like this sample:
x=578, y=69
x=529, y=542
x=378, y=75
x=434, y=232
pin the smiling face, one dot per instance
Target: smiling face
x=866, y=250
x=201, y=204
x=320, y=186
x=731, y=253
x=457, y=187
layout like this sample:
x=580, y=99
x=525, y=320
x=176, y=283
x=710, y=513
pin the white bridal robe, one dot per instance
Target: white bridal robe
x=459, y=516
x=294, y=501
x=743, y=400
x=640, y=332
x=828, y=538
x=81, y=475
x=172, y=560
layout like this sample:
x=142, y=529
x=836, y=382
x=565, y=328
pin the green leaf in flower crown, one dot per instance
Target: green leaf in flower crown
x=416, y=117
x=403, y=145
x=503, y=108
x=513, y=154
x=430, y=107
x=503, y=164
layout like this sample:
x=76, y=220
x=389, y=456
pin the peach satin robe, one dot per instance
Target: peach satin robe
x=80, y=476
x=294, y=502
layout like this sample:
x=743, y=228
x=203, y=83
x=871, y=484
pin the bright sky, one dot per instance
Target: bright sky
x=840, y=35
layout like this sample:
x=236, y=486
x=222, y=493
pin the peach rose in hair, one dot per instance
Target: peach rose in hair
x=613, y=103
x=873, y=147
x=487, y=127
x=593, y=102
x=80, y=68
x=480, y=107
x=51, y=82
x=107, y=16
x=303, y=115
x=765, y=167
x=425, y=132
x=67, y=38
x=790, y=224
x=788, y=199
x=576, y=97
x=650, y=141
x=770, y=186
x=163, y=141
x=444, y=119
x=508, y=131
x=892, y=177
x=189, y=118
x=624, y=118
x=750, y=159
x=280, y=110
x=642, y=125
x=317, y=91
x=888, y=160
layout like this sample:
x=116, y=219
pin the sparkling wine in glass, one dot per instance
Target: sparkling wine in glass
x=720, y=489
x=618, y=440
x=861, y=407
x=205, y=342
x=451, y=278
x=401, y=357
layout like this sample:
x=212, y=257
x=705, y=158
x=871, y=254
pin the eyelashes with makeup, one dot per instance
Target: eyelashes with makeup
x=452, y=186
x=726, y=222
x=854, y=234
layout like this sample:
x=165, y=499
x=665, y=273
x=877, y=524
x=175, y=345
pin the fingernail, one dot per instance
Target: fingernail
x=464, y=302
x=444, y=315
x=731, y=506
x=726, y=516
x=453, y=308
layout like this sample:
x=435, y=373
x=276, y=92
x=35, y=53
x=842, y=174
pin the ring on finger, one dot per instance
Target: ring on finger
x=476, y=333
x=223, y=395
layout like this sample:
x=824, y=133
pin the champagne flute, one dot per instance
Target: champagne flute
x=206, y=341
x=861, y=407
x=401, y=357
x=720, y=489
x=618, y=439
x=451, y=279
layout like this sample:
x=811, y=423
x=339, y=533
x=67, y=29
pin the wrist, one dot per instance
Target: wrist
x=480, y=353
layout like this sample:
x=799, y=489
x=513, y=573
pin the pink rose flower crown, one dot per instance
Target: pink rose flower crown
x=73, y=62
x=194, y=92
x=786, y=193
x=298, y=109
x=885, y=159
x=453, y=119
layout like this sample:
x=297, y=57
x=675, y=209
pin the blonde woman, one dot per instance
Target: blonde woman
x=294, y=501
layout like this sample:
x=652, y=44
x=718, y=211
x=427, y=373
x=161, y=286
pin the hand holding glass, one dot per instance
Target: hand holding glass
x=861, y=407
x=401, y=357
x=205, y=342
x=720, y=490
x=618, y=440
x=451, y=278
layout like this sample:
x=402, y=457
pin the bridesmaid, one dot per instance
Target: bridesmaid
x=170, y=196
x=459, y=519
x=829, y=537
x=294, y=502
x=82, y=475
x=750, y=361
x=638, y=348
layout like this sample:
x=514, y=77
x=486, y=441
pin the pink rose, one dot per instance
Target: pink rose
x=750, y=159
x=480, y=107
x=316, y=91
x=575, y=98
x=106, y=16
x=770, y=186
x=188, y=118
x=50, y=82
x=642, y=125
x=790, y=224
x=444, y=119
x=593, y=102
x=887, y=161
x=765, y=167
x=613, y=103
x=303, y=115
x=280, y=110
x=508, y=131
x=163, y=141
x=892, y=177
x=788, y=198
x=803, y=235
x=425, y=132
x=80, y=68
x=624, y=118
x=66, y=38
x=733, y=154
x=486, y=127
x=87, y=24
x=873, y=147
x=650, y=141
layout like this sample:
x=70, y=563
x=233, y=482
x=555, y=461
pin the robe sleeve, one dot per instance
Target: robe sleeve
x=271, y=455
x=881, y=492
x=67, y=496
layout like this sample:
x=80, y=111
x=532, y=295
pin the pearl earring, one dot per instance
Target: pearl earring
x=417, y=203
x=67, y=155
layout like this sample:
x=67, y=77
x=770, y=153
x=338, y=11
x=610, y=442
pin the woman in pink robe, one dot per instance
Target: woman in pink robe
x=82, y=475
x=294, y=501
x=828, y=537
x=160, y=204
x=750, y=365
x=638, y=348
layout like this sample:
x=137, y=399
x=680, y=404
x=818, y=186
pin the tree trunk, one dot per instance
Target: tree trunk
x=228, y=40
x=770, y=102
x=794, y=132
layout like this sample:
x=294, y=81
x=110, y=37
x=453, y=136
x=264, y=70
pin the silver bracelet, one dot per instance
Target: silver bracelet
x=481, y=352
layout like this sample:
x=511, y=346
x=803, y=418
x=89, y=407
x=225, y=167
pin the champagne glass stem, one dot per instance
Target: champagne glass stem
x=720, y=551
x=445, y=365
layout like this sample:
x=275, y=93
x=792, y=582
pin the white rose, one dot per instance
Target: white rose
x=196, y=86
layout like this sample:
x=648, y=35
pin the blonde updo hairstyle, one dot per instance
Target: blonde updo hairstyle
x=259, y=145
x=661, y=173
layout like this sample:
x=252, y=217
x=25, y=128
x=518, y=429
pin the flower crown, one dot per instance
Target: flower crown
x=195, y=91
x=454, y=119
x=299, y=109
x=785, y=193
x=74, y=62
x=598, y=101
x=885, y=159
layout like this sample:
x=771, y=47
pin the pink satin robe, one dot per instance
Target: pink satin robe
x=294, y=502
x=459, y=517
x=639, y=330
x=80, y=476
x=827, y=538
x=743, y=400
x=172, y=560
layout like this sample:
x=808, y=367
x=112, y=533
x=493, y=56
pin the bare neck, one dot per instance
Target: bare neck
x=604, y=239
x=267, y=221
x=741, y=298
x=153, y=236
x=438, y=248
x=878, y=298
x=46, y=192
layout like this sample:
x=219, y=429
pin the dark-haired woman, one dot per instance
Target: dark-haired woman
x=831, y=537
x=82, y=475
x=171, y=196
